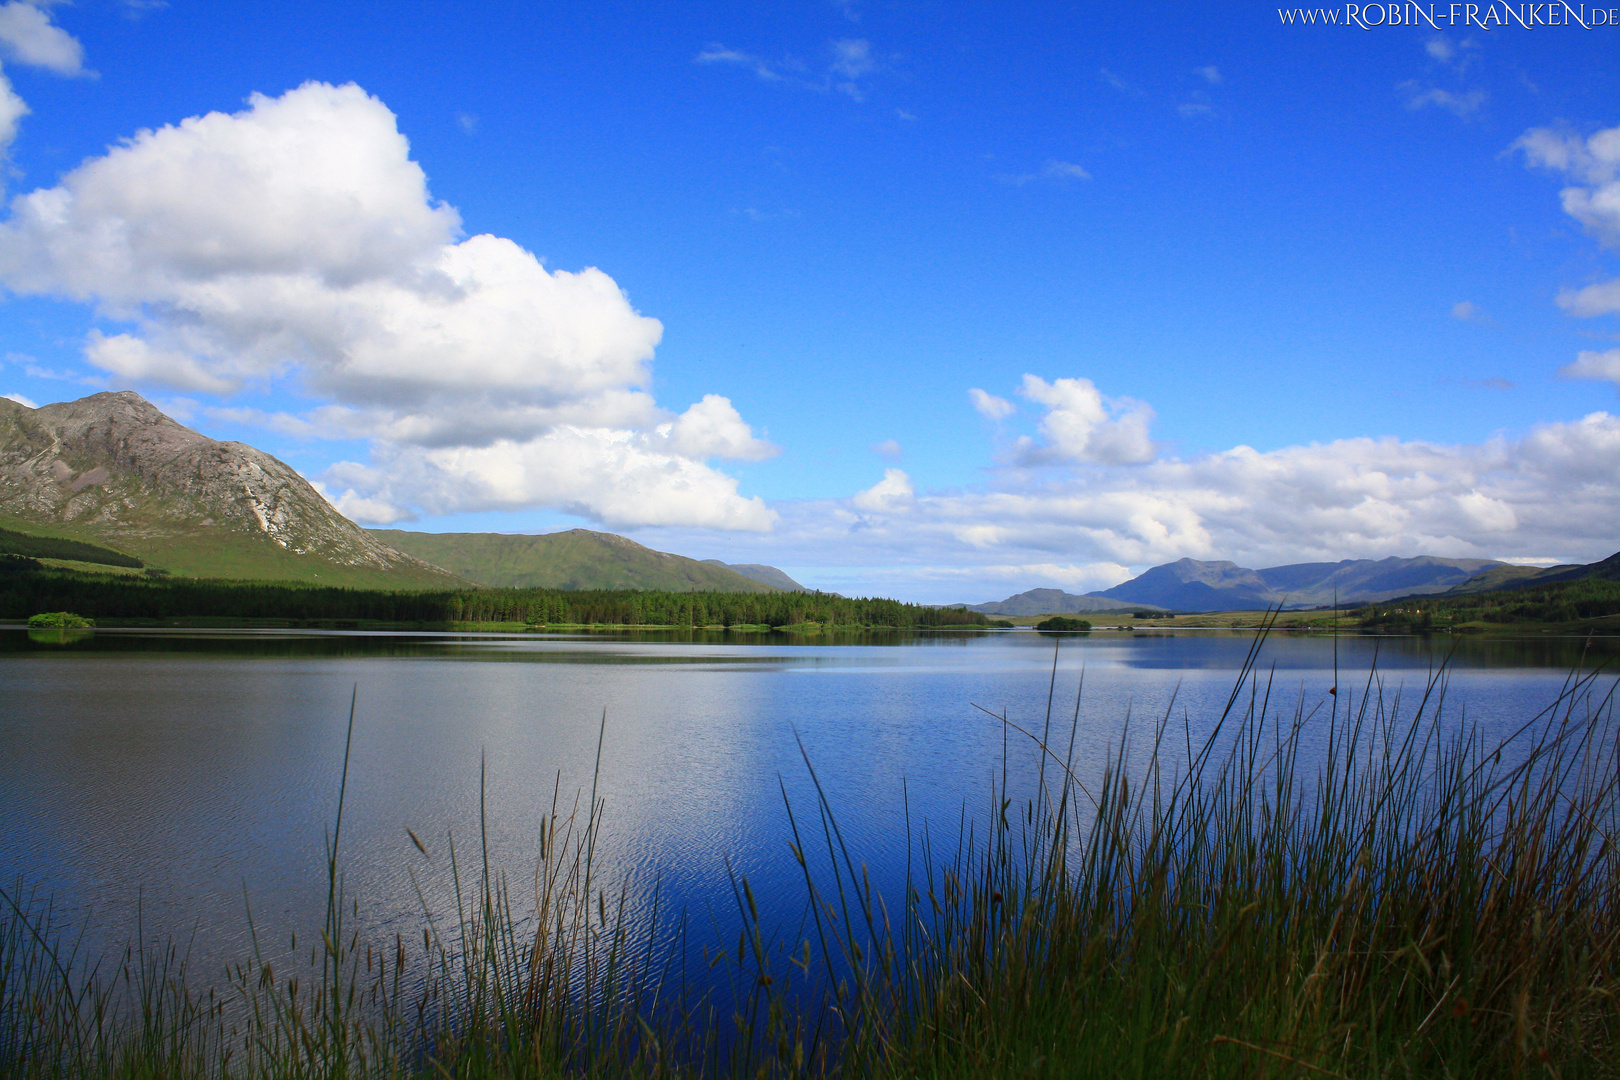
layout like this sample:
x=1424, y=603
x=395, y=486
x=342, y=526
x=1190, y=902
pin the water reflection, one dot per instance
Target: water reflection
x=195, y=772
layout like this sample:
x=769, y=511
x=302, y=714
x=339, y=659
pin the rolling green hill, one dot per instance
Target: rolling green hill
x=1581, y=597
x=576, y=559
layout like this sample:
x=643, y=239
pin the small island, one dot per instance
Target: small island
x=1063, y=624
x=59, y=620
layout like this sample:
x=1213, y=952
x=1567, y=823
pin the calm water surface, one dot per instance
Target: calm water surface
x=193, y=775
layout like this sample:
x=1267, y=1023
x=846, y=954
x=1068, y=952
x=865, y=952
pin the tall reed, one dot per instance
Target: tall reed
x=1369, y=888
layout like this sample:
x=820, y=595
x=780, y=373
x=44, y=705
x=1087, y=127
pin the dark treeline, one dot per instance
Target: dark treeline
x=54, y=547
x=1558, y=602
x=25, y=591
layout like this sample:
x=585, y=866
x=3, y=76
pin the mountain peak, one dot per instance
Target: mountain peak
x=113, y=468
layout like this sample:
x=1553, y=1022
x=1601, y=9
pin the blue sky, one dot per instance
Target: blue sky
x=1226, y=288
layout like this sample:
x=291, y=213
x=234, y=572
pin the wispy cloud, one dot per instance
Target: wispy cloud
x=990, y=406
x=850, y=60
x=888, y=448
x=1463, y=105
x=1470, y=312
x=1455, y=55
x=1211, y=74
x=1052, y=171
x=1127, y=88
x=719, y=54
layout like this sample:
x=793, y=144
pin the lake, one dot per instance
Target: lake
x=185, y=777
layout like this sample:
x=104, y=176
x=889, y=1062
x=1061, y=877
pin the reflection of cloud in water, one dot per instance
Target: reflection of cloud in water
x=182, y=776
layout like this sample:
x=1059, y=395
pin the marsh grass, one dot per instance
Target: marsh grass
x=1367, y=888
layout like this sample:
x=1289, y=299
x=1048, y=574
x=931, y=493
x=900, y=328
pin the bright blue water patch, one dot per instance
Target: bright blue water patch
x=196, y=772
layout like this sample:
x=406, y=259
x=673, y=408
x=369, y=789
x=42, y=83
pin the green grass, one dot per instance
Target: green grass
x=1365, y=890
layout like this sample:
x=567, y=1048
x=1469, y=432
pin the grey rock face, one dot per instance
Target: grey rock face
x=112, y=464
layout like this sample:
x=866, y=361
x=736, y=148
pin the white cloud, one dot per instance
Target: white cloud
x=19, y=399
x=892, y=494
x=1594, y=163
x=1463, y=105
x=1190, y=109
x=1211, y=74
x=990, y=406
x=620, y=478
x=713, y=429
x=12, y=110
x=1081, y=425
x=1550, y=494
x=136, y=360
x=297, y=239
x=1594, y=365
x=1600, y=299
x=28, y=37
x=1468, y=311
x=888, y=448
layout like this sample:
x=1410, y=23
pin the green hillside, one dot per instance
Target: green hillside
x=52, y=547
x=1590, y=602
x=211, y=554
x=576, y=559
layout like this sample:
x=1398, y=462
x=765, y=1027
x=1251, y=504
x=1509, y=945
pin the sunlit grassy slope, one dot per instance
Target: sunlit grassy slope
x=576, y=559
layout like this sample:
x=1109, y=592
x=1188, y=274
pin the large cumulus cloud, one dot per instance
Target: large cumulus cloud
x=297, y=239
x=1077, y=520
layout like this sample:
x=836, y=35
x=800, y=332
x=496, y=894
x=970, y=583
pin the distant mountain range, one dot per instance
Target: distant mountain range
x=1191, y=585
x=1053, y=602
x=578, y=559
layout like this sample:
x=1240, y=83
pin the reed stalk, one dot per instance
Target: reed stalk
x=1366, y=888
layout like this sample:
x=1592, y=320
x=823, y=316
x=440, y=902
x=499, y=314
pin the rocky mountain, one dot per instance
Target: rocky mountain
x=1052, y=602
x=765, y=575
x=576, y=559
x=112, y=469
x=1191, y=585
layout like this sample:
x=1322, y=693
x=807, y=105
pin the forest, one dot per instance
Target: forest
x=1556, y=602
x=27, y=587
x=56, y=547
